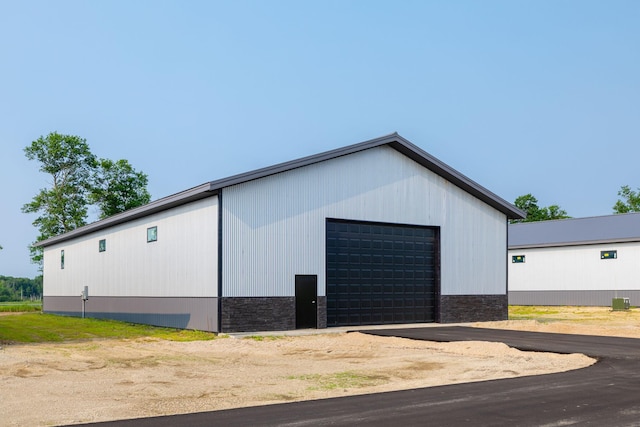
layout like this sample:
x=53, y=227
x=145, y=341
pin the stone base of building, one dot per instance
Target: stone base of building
x=252, y=314
x=473, y=308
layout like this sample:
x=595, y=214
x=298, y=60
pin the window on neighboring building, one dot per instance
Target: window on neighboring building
x=608, y=254
x=102, y=245
x=517, y=258
x=62, y=259
x=152, y=234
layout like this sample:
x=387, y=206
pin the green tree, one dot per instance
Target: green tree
x=555, y=212
x=118, y=187
x=631, y=202
x=6, y=294
x=529, y=204
x=63, y=207
x=78, y=179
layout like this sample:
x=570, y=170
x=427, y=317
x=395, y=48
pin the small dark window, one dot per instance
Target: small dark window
x=62, y=259
x=102, y=245
x=517, y=258
x=152, y=234
x=608, y=254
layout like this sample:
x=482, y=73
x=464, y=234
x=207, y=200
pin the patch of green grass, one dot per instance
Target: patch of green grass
x=342, y=380
x=39, y=327
x=570, y=314
x=264, y=337
x=20, y=306
x=534, y=312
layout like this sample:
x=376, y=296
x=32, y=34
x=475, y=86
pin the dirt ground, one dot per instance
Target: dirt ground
x=52, y=384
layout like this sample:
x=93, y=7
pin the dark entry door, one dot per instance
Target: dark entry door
x=306, y=301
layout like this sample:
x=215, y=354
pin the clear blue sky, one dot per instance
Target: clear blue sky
x=537, y=97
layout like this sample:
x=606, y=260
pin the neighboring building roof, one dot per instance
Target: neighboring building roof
x=577, y=231
x=393, y=140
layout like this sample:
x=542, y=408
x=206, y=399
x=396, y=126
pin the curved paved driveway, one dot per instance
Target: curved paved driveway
x=605, y=394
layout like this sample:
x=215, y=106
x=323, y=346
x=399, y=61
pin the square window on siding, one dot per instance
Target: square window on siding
x=608, y=254
x=152, y=234
x=62, y=259
x=517, y=259
x=102, y=245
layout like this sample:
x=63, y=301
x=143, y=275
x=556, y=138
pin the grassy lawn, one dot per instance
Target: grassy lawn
x=20, y=306
x=39, y=327
x=574, y=314
x=535, y=312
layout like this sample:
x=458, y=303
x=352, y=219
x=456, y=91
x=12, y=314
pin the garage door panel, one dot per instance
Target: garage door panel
x=380, y=273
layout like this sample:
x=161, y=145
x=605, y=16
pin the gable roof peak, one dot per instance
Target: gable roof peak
x=393, y=140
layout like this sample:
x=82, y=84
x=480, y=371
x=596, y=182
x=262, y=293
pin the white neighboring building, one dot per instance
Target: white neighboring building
x=373, y=233
x=581, y=261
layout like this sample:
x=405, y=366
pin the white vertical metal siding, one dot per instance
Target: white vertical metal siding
x=576, y=268
x=274, y=227
x=182, y=262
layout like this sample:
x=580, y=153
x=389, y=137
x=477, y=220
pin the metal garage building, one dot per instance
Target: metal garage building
x=376, y=232
x=581, y=261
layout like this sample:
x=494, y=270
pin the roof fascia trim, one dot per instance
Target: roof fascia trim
x=581, y=243
x=184, y=197
x=401, y=145
x=427, y=160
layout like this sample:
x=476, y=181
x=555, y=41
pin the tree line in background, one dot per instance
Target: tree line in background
x=529, y=204
x=79, y=180
x=20, y=288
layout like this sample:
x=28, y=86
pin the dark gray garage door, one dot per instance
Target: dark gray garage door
x=381, y=273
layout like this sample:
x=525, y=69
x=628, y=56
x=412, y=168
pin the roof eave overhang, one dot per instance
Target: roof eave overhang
x=579, y=243
x=184, y=197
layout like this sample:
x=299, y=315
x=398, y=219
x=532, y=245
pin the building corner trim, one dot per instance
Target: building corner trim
x=220, y=260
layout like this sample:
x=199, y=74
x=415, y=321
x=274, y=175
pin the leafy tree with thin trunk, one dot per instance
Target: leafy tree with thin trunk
x=61, y=208
x=631, y=202
x=529, y=204
x=118, y=187
x=79, y=179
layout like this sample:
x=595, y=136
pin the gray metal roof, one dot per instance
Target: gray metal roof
x=393, y=140
x=575, y=231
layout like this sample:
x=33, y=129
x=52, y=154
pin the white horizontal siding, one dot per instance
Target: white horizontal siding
x=576, y=268
x=274, y=227
x=182, y=262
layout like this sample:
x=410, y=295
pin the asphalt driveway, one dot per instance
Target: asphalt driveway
x=605, y=394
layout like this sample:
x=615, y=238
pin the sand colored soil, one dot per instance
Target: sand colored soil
x=576, y=320
x=51, y=384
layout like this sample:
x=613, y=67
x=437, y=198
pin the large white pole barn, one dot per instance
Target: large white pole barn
x=376, y=232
